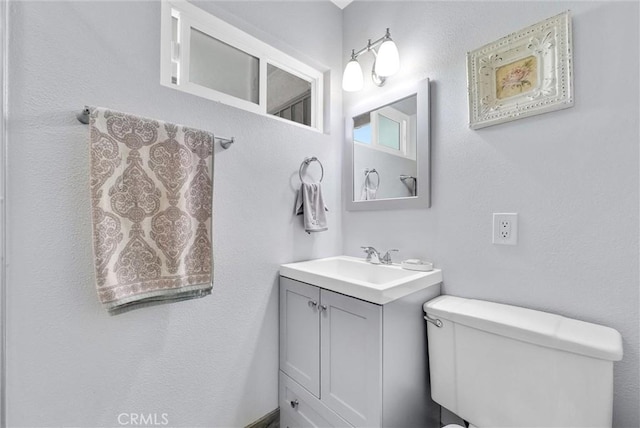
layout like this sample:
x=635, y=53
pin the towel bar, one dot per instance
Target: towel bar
x=84, y=115
x=307, y=161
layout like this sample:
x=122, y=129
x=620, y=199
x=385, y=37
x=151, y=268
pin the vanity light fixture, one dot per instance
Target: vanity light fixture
x=386, y=63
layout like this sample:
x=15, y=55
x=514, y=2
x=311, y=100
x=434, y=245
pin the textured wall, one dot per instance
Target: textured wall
x=209, y=362
x=572, y=175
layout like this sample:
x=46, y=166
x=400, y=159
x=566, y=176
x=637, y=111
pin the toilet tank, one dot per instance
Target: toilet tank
x=497, y=365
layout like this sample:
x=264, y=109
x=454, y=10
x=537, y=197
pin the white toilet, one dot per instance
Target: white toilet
x=496, y=365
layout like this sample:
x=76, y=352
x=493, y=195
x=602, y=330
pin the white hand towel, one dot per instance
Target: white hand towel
x=310, y=204
x=368, y=194
x=369, y=190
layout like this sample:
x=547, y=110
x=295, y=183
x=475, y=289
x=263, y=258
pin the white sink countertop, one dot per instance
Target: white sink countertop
x=357, y=278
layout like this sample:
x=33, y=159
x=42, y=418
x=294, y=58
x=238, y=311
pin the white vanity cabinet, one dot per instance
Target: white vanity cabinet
x=348, y=362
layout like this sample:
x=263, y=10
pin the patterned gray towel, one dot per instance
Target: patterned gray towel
x=151, y=192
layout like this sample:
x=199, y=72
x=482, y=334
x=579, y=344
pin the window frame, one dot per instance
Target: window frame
x=190, y=16
x=406, y=148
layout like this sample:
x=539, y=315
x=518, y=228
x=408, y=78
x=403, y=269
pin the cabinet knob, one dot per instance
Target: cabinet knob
x=323, y=308
x=313, y=303
x=294, y=403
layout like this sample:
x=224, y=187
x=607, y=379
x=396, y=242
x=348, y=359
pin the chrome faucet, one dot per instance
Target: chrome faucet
x=386, y=259
x=373, y=256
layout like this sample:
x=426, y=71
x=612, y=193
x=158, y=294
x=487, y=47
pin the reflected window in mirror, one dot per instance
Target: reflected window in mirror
x=390, y=132
x=362, y=129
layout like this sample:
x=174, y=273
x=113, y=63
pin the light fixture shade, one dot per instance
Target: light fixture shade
x=388, y=61
x=352, y=79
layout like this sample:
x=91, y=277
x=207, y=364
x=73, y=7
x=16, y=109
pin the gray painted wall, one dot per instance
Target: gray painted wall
x=209, y=362
x=572, y=175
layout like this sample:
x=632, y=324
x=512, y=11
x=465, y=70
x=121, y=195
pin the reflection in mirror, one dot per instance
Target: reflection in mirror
x=384, y=152
x=288, y=96
x=387, y=159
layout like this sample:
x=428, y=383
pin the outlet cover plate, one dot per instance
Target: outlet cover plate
x=505, y=228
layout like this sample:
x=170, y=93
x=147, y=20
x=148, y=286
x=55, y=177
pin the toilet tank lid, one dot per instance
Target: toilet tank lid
x=528, y=325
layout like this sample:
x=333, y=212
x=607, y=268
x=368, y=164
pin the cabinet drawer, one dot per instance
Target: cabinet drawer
x=300, y=409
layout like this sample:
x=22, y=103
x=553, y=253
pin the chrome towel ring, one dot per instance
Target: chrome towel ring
x=367, y=172
x=306, y=162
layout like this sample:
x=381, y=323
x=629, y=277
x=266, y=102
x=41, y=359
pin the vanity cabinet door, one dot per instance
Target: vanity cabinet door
x=300, y=333
x=351, y=337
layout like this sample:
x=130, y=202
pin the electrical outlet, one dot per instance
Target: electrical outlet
x=505, y=228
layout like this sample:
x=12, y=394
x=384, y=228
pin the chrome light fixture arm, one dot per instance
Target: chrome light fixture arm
x=377, y=79
x=372, y=45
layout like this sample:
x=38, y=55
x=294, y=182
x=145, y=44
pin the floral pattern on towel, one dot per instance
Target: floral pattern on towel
x=151, y=190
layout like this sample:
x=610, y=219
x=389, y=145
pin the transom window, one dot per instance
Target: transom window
x=388, y=129
x=205, y=56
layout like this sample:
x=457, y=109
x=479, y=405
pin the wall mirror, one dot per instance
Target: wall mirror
x=387, y=151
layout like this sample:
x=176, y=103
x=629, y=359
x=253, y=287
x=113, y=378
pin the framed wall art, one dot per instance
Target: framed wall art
x=526, y=73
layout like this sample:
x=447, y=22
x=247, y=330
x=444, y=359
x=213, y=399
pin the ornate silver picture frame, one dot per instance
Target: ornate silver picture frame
x=526, y=73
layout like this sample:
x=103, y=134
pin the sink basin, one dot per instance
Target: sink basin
x=355, y=277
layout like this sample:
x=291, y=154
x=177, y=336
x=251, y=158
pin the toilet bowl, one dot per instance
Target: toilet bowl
x=500, y=365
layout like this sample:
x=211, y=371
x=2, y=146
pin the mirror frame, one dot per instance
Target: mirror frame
x=423, y=150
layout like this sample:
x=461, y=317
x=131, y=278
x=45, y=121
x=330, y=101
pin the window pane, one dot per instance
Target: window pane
x=297, y=112
x=362, y=128
x=174, y=43
x=388, y=132
x=174, y=29
x=219, y=66
x=362, y=134
x=284, y=90
x=307, y=110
